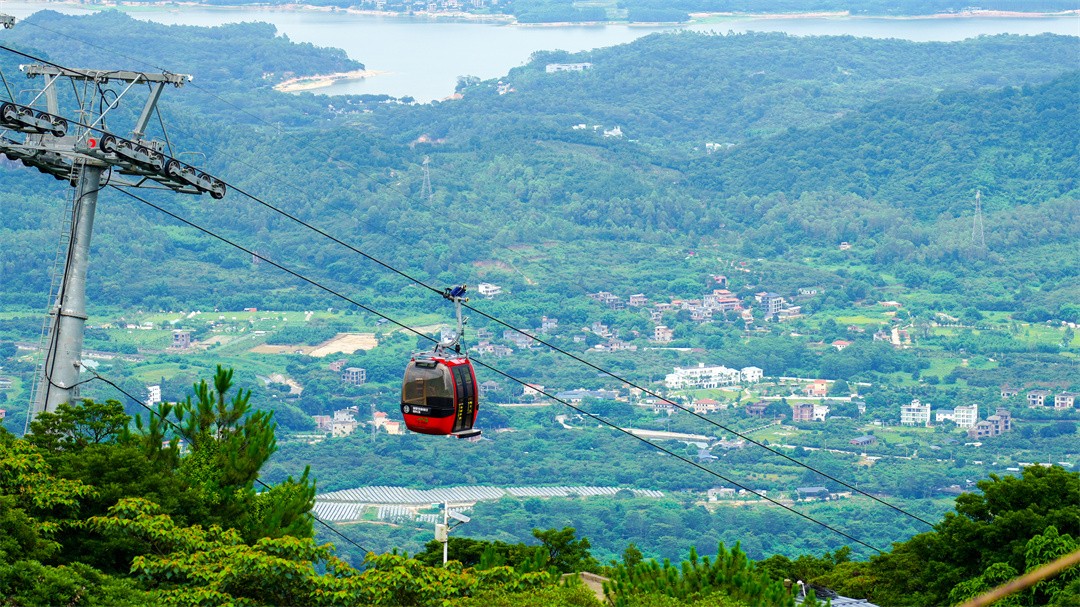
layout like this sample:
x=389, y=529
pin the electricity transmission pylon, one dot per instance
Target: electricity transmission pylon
x=978, y=233
x=79, y=150
x=425, y=189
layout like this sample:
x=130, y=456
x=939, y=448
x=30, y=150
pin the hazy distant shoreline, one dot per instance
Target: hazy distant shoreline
x=717, y=21
x=695, y=18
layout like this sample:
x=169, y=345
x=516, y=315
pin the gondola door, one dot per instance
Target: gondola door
x=465, y=388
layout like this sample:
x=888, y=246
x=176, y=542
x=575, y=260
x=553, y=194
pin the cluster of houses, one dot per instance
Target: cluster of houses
x=428, y=6
x=800, y=412
x=344, y=422
x=809, y=412
x=616, y=131
x=964, y=416
x=706, y=377
x=1042, y=398
x=699, y=406
x=802, y=494
x=719, y=302
x=717, y=494
x=356, y=376
x=520, y=340
x=553, y=68
x=898, y=337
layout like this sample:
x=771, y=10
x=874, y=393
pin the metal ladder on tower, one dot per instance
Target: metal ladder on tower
x=57, y=278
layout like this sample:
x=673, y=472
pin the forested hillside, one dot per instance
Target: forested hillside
x=894, y=110
x=98, y=512
x=840, y=173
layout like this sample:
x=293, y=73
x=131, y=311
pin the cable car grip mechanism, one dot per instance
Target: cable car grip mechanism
x=456, y=295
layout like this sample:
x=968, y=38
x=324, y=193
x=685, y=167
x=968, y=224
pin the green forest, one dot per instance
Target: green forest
x=101, y=511
x=837, y=172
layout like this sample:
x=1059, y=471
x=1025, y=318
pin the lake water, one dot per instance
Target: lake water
x=423, y=58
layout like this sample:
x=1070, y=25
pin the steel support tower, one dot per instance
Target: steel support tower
x=63, y=354
x=425, y=189
x=42, y=138
x=978, y=232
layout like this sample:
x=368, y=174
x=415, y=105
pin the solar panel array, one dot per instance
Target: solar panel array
x=329, y=511
x=578, y=491
x=399, y=503
x=395, y=513
x=401, y=495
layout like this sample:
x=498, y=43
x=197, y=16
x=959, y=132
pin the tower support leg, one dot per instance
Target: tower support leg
x=63, y=354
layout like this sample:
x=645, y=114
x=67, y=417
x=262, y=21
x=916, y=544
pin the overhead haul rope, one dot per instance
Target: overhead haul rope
x=571, y=355
x=180, y=433
x=537, y=339
x=484, y=365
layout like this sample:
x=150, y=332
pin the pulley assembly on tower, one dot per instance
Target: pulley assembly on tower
x=78, y=146
x=42, y=138
x=25, y=120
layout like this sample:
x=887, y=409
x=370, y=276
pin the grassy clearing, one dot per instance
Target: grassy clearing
x=152, y=372
x=861, y=319
x=16, y=388
x=716, y=394
x=900, y=435
x=777, y=434
x=140, y=338
x=1046, y=335
x=942, y=365
x=23, y=314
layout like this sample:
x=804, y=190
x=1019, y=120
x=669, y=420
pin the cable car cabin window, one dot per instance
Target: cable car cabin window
x=429, y=387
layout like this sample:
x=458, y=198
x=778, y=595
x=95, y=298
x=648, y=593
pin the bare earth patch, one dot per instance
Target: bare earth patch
x=343, y=343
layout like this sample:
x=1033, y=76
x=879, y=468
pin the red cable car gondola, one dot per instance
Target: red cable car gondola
x=439, y=393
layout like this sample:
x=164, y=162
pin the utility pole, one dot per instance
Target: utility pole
x=43, y=139
x=442, y=530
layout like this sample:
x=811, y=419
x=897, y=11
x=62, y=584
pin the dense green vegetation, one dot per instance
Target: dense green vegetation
x=661, y=190
x=1014, y=525
x=104, y=513
x=99, y=512
x=757, y=167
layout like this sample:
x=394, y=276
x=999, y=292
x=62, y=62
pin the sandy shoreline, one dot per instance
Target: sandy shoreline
x=318, y=81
